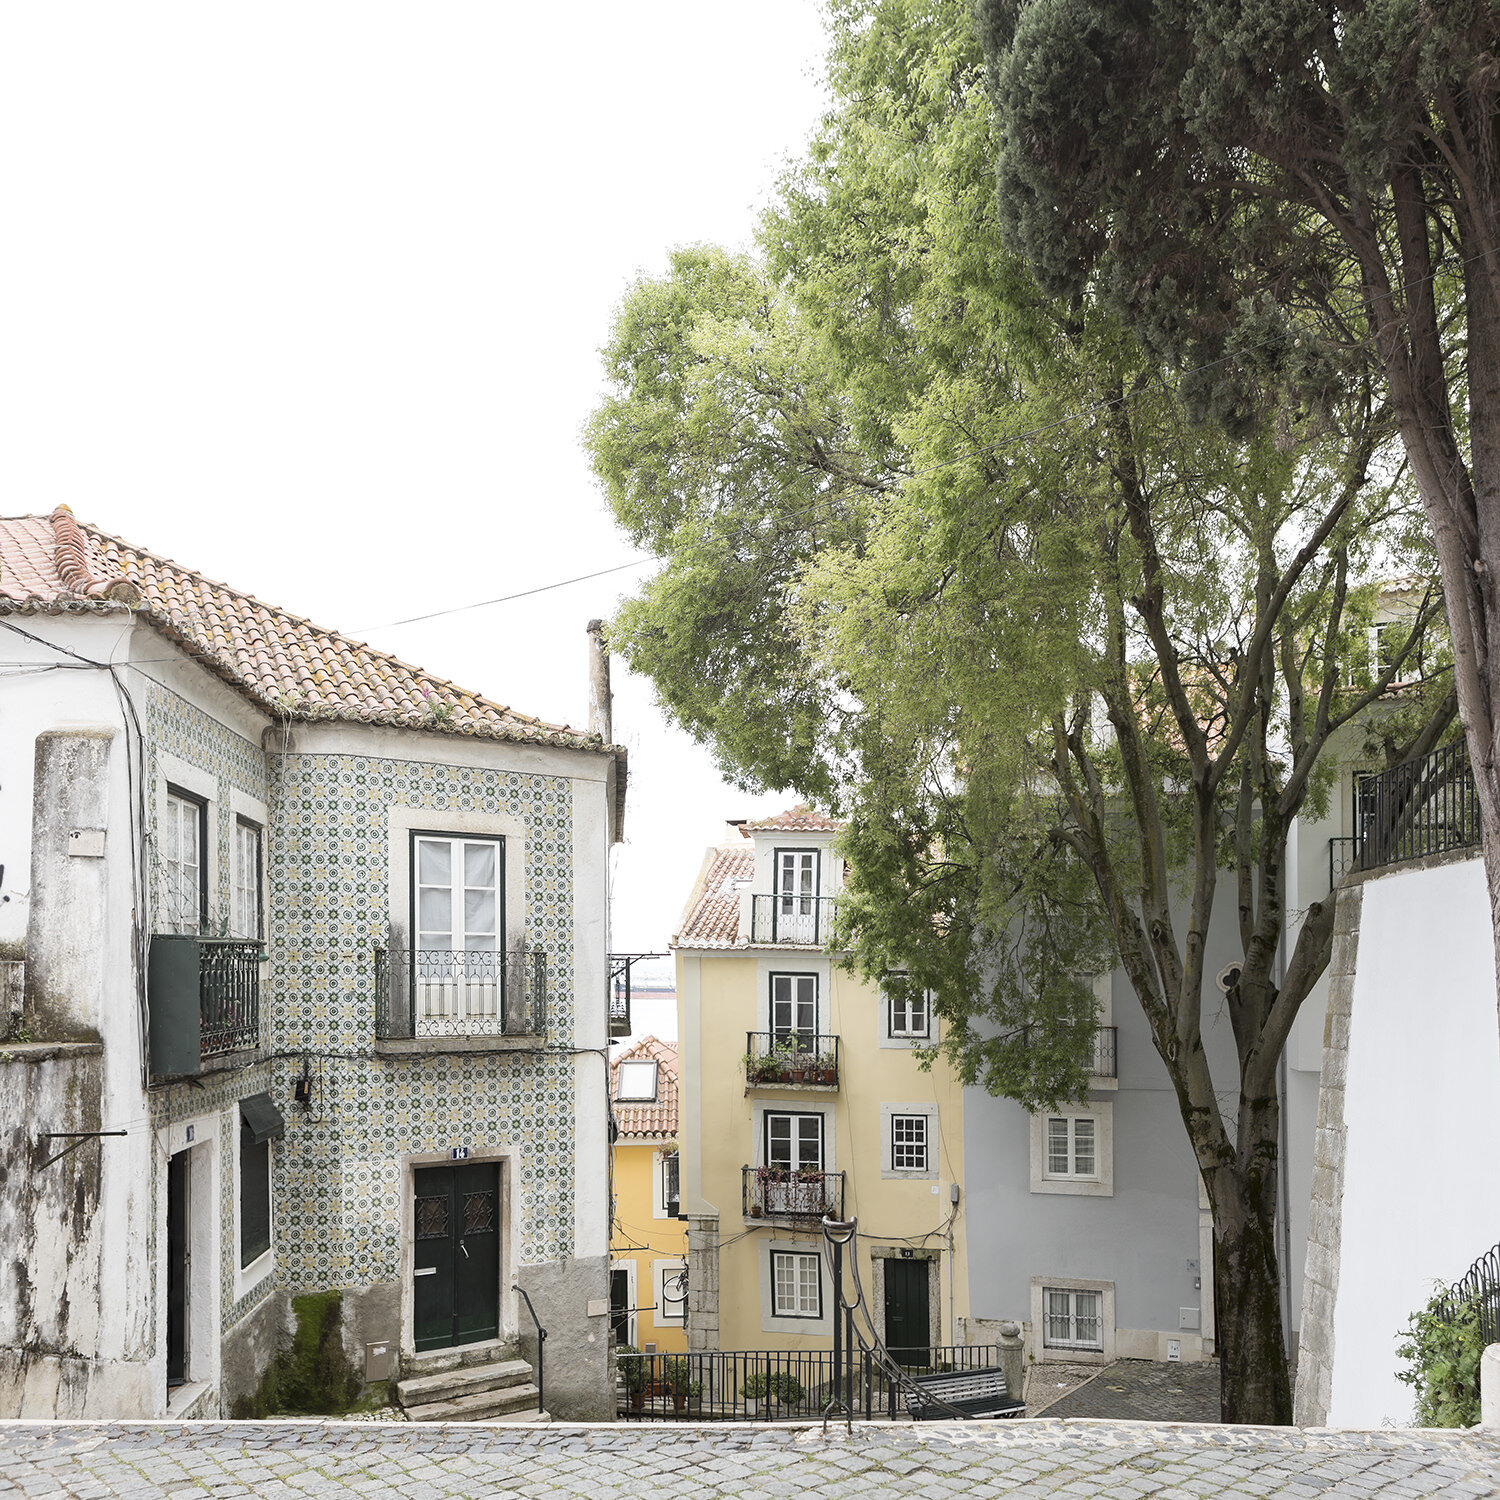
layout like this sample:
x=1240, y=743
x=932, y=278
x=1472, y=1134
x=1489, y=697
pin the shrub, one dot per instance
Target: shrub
x=755, y=1386
x=1443, y=1356
x=634, y=1366
x=786, y=1387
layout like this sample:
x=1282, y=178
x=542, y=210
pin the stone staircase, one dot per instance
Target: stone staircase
x=475, y=1383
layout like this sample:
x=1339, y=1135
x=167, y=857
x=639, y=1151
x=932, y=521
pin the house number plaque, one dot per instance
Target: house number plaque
x=459, y=1153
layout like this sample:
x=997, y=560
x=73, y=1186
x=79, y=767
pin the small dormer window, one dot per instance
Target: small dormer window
x=636, y=1082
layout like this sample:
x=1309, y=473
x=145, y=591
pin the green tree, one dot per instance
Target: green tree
x=946, y=554
x=1285, y=196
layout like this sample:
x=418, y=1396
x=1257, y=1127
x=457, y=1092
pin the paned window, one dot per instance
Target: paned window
x=910, y=1010
x=794, y=1141
x=1074, y=1319
x=255, y=1196
x=457, y=895
x=247, y=879
x=909, y=1143
x=671, y=1293
x=1071, y=1146
x=185, y=894
x=671, y=1192
x=796, y=1284
x=797, y=896
x=794, y=1007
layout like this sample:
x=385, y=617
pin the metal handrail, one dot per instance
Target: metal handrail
x=789, y=1056
x=441, y=992
x=1421, y=807
x=781, y=917
x=1479, y=1288
x=541, y=1348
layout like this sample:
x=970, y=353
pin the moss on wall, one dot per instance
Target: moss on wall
x=311, y=1375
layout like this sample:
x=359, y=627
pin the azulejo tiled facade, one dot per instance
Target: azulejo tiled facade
x=338, y=1178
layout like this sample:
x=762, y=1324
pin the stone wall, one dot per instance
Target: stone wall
x=703, y=1282
x=1320, y=1284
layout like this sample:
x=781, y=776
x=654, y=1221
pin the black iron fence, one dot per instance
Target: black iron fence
x=1478, y=1289
x=772, y=1385
x=802, y=920
x=228, y=995
x=792, y=1193
x=1106, y=1064
x=776, y=1057
x=1421, y=807
x=442, y=992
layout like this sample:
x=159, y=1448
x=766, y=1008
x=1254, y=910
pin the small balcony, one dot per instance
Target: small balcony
x=792, y=1193
x=796, y=921
x=791, y=1059
x=434, y=993
x=203, y=1000
x=1105, y=1063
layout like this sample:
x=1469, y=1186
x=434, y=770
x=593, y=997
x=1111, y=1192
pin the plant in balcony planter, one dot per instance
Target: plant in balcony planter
x=828, y=1068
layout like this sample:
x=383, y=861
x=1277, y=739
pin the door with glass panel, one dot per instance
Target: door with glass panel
x=797, y=896
x=458, y=969
x=184, y=888
x=794, y=1180
x=794, y=1011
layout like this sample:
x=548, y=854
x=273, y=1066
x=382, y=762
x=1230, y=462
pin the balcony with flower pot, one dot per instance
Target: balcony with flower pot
x=791, y=1060
x=800, y=1193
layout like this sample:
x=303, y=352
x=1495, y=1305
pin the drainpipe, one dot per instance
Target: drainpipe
x=601, y=700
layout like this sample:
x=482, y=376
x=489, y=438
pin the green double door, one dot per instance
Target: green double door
x=456, y=1259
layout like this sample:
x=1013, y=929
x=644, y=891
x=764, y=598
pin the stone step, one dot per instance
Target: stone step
x=436, y=1361
x=517, y=1403
x=468, y=1380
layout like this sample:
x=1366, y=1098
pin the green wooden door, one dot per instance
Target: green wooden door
x=906, y=1322
x=456, y=1255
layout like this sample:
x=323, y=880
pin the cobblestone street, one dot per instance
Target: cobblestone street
x=1114, y=1460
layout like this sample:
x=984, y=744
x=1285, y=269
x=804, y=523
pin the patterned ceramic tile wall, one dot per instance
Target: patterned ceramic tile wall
x=337, y=1185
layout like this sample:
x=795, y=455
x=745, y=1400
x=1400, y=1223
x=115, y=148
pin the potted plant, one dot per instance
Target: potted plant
x=755, y=1390
x=636, y=1369
x=786, y=1388
x=770, y=1184
x=828, y=1068
x=676, y=1375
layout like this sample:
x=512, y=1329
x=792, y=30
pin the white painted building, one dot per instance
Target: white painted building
x=305, y=970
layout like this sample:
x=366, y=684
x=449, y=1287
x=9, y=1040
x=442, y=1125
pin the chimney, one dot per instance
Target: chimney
x=601, y=700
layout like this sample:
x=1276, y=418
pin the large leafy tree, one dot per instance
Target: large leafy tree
x=946, y=553
x=1284, y=197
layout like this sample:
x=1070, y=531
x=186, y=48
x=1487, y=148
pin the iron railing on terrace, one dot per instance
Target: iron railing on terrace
x=228, y=995
x=1479, y=1288
x=805, y=921
x=1420, y=807
x=792, y=1193
x=772, y=1385
x=780, y=1057
x=442, y=992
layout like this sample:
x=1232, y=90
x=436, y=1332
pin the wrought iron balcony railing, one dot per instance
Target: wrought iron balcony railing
x=203, y=1000
x=773, y=1058
x=804, y=921
x=1105, y=1062
x=1420, y=807
x=443, y=992
x=792, y=1193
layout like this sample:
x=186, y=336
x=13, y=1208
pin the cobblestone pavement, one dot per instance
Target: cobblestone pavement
x=1147, y=1391
x=934, y=1461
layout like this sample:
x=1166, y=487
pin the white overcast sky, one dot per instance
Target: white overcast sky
x=308, y=296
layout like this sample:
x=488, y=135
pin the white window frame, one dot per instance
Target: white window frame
x=797, y=905
x=247, y=1278
x=180, y=808
x=453, y=990
x=1077, y=1309
x=1101, y=1182
x=902, y=1027
x=249, y=877
x=799, y=986
x=1073, y=1353
x=659, y=1197
x=801, y=1259
x=925, y=1110
x=638, y=1065
x=795, y=1139
x=632, y=1318
x=1072, y=1147
x=665, y=1316
x=909, y=1143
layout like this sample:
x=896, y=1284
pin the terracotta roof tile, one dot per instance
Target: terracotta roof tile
x=712, y=918
x=654, y=1120
x=287, y=666
x=801, y=818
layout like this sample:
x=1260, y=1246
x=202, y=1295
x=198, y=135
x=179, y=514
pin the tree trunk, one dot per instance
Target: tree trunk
x=1254, y=1378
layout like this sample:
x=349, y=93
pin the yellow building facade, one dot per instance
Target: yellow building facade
x=648, y=1241
x=801, y=1095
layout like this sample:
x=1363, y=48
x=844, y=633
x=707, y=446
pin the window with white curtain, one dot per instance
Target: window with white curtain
x=1074, y=1320
x=184, y=891
x=248, y=851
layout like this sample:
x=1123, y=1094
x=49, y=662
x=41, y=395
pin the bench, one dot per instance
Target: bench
x=972, y=1393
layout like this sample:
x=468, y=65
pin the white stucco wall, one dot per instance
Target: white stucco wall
x=1422, y=1115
